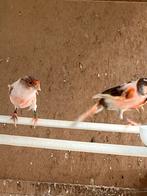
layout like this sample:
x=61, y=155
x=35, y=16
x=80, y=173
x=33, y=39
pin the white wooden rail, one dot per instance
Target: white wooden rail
x=126, y=150
x=54, y=144
x=73, y=125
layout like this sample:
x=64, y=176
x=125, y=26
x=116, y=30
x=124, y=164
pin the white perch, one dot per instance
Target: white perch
x=66, y=145
x=72, y=125
x=143, y=134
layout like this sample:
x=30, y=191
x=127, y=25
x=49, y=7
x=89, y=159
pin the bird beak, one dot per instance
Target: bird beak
x=38, y=85
x=39, y=89
x=145, y=89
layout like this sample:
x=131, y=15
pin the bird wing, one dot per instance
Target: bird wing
x=129, y=93
x=126, y=90
x=10, y=88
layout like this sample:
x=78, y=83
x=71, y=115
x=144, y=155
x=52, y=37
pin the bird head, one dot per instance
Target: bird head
x=31, y=82
x=142, y=86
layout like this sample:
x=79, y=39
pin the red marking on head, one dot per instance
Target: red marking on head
x=36, y=82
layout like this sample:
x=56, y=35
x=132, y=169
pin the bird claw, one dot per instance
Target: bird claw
x=137, y=110
x=133, y=123
x=14, y=118
x=34, y=121
x=142, y=108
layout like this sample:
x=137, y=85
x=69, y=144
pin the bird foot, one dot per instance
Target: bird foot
x=14, y=118
x=142, y=108
x=133, y=123
x=137, y=110
x=34, y=121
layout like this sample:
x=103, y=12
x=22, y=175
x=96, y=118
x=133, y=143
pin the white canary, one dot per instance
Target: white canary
x=23, y=93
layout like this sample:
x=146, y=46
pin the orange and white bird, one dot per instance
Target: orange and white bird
x=23, y=93
x=125, y=97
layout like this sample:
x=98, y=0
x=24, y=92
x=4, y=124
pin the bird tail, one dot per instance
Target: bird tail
x=100, y=96
x=90, y=112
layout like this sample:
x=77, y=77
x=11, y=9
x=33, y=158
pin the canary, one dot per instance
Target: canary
x=22, y=94
x=125, y=97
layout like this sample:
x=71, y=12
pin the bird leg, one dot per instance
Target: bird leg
x=121, y=114
x=139, y=109
x=131, y=122
x=35, y=119
x=142, y=108
x=14, y=116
